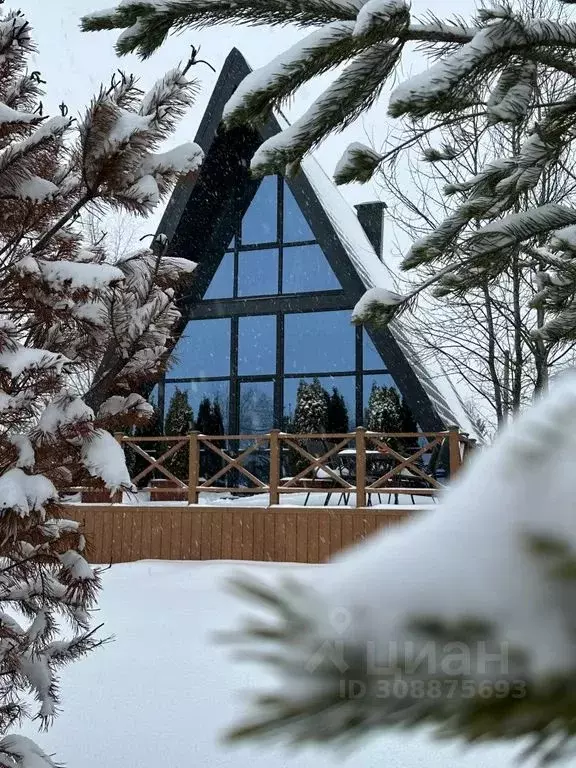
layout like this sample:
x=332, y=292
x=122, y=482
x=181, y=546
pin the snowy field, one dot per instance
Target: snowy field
x=160, y=695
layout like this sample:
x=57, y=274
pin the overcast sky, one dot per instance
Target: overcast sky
x=75, y=63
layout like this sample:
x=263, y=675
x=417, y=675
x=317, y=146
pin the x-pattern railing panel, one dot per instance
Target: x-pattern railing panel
x=233, y=463
x=157, y=463
x=404, y=462
x=316, y=462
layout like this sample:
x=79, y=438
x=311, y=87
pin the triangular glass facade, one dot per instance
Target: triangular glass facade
x=274, y=250
x=282, y=317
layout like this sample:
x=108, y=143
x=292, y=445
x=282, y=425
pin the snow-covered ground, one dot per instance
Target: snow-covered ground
x=161, y=693
x=383, y=499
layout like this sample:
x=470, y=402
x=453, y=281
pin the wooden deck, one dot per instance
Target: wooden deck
x=119, y=533
x=276, y=467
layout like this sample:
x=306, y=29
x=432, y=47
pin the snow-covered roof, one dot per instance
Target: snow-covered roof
x=438, y=386
x=375, y=273
x=369, y=267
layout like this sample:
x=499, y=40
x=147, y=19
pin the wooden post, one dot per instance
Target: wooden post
x=274, y=466
x=360, y=467
x=193, y=467
x=454, y=450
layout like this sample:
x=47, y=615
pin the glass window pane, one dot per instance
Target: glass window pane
x=260, y=222
x=371, y=356
x=307, y=269
x=319, y=342
x=256, y=407
x=338, y=419
x=209, y=401
x=296, y=227
x=222, y=284
x=257, y=345
x=258, y=273
x=203, y=350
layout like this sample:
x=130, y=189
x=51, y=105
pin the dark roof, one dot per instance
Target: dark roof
x=191, y=223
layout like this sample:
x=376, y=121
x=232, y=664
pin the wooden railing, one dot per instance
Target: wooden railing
x=361, y=462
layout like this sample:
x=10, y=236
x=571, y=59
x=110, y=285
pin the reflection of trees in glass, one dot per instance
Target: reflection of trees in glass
x=384, y=411
x=179, y=421
x=256, y=416
x=317, y=411
x=337, y=419
x=210, y=422
x=387, y=412
x=256, y=410
x=311, y=412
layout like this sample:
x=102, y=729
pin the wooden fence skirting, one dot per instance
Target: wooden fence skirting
x=121, y=533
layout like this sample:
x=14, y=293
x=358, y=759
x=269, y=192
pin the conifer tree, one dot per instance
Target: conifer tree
x=217, y=419
x=337, y=419
x=472, y=640
x=65, y=310
x=311, y=412
x=384, y=411
x=310, y=417
x=385, y=414
x=407, y=421
x=209, y=422
x=204, y=418
x=179, y=421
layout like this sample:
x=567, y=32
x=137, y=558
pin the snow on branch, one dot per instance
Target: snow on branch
x=67, y=415
x=182, y=159
x=24, y=493
x=343, y=101
x=22, y=359
x=358, y=163
x=117, y=405
x=386, y=16
x=26, y=456
x=509, y=101
x=150, y=22
x=74, y=274
x=437, y=88
x=275, y=82
x=103, y=457
x=375, y=305
x=22, y=752
x=518, y=227
x=65, y=307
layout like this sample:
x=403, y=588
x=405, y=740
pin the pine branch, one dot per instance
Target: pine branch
x=354, y=91
x=148, y=26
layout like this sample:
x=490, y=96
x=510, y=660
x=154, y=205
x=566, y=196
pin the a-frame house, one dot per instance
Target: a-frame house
x=281, y=264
